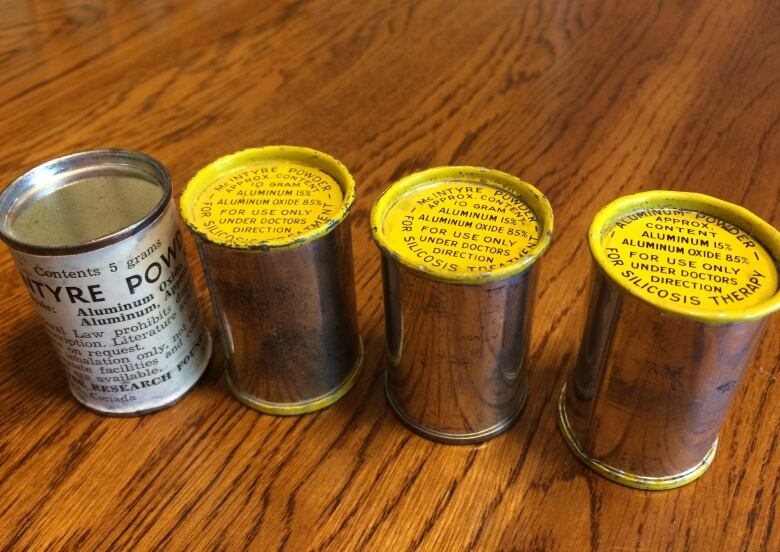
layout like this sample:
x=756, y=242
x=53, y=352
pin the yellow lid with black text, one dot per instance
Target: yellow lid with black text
x=275, y=197
x=466, y=225
x=690, y=254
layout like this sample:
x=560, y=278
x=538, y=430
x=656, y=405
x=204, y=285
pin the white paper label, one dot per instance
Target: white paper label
x=124, y=319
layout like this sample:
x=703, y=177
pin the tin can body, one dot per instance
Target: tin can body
x=271, y=229
x=457, y=371
x=652, y=407
x=120, y=309
x=654, y=380
x=459, y=246
x=289, y=322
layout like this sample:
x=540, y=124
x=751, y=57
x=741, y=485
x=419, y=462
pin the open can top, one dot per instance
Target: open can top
x=269, y=198
x=83, y=202
x=465, y=225
x=689, y=254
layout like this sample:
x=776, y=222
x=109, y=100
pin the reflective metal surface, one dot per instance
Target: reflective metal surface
x=650, y=389
x=289, y=321
x=457, y=371
x=71, y=169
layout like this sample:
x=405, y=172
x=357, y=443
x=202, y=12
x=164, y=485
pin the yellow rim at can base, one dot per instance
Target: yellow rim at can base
x=750, y=225
x=304, y=407
x=449, y=438
x=502, y=182
x=625, y=478
x=269, y=155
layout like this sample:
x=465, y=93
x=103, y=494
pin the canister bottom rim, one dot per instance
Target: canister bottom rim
x=184, y=392
x=301, y=407
x=456, y=438
x=628, y=479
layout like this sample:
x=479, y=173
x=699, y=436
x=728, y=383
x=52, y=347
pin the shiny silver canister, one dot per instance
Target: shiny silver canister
x=271, y=229
x=682, y=286
x=96, y=239
x=459, y=249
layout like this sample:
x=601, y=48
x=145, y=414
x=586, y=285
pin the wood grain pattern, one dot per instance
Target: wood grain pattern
x=587, y=99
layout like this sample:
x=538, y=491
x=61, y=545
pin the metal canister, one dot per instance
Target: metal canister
x=272, y=232
x=682, y=286
x=459, y=249
x=96, y=239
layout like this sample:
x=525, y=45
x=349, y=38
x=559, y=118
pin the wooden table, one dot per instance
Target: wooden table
x=586, y=99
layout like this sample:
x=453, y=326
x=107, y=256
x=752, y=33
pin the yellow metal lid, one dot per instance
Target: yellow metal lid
x=276, y=197
x=466, y=225
x=689, y=254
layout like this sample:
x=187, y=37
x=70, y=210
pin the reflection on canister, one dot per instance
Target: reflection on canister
x=682, y=286
x=459, y=246
x=271, y=229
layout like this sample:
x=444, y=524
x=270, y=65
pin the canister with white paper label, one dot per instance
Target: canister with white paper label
x=96, y=239
x=683, y=284
x=459, y=248
x=272, y=231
